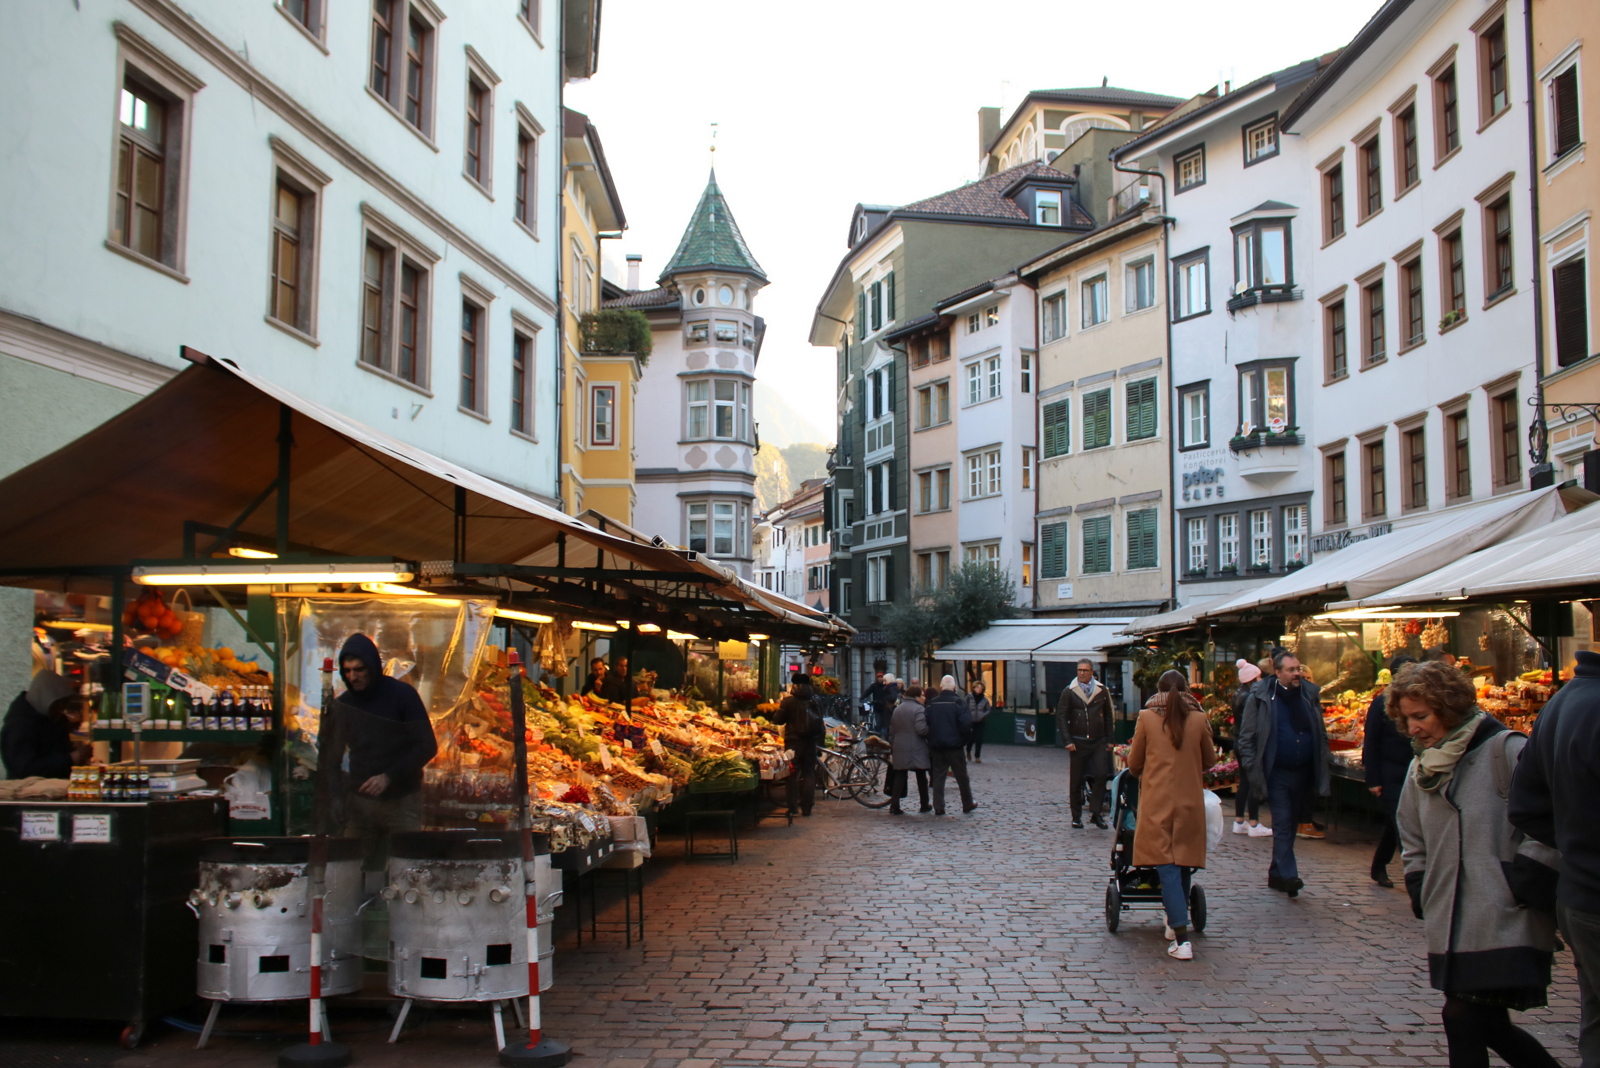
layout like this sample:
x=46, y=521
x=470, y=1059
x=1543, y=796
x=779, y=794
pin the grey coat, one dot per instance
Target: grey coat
x=1453, y=841
x=1255, y=737
x=908, y=736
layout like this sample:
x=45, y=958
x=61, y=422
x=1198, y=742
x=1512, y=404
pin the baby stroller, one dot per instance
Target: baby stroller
x=1130, y=887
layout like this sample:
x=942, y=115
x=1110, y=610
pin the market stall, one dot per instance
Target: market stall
x=221, y=538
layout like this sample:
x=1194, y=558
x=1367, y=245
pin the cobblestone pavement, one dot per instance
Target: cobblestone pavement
x=857, y=938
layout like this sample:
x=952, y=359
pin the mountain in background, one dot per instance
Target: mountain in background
x=779, y=472
x=782, y=425
x=806, y=459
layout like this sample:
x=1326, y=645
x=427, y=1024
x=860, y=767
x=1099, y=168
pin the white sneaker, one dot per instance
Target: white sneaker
x=1167, y=933
x=1241, y=827
x=1181, y=951
x=1260, y=830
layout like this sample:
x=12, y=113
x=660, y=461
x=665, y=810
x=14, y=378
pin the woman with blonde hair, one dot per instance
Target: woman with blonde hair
x=1171, y=751
x=1486, y=952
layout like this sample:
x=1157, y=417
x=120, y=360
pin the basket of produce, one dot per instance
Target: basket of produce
x=722, y=773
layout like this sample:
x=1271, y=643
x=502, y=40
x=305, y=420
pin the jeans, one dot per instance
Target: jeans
x=1583, y=935
x=975, y=747
x=1175, y=893
x=952, y=760
x=1086, y=763
x=1287, y=789
x=1243, y=802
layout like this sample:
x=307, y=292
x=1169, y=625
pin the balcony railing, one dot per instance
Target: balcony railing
x=1143, y=191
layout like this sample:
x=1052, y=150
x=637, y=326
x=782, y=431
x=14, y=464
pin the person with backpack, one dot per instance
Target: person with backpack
x=802, y=734
x=1486, y=952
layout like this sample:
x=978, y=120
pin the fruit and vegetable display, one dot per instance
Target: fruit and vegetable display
x=588, y=759
x=177, y=644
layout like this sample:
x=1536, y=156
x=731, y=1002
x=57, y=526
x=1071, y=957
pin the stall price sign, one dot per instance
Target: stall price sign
x=655, y=747
x=41, y=827
x=605, y=757
x=91, y=827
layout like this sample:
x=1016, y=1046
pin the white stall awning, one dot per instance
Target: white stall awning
x=1180, y=618
x=1367, y=567
x=1560, y=558
x=1032, y=639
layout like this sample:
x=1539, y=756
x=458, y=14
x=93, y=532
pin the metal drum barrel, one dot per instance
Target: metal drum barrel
x=457, y=915
x=254, y=904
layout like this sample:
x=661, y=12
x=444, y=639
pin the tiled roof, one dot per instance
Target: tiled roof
x=1109, y=94
x=712, y=239
x=660, y=297
x=984, y=197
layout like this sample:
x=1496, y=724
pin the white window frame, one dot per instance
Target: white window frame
x=1053, y=316
x=1199, y=542
x=1196, y=408
x=1194, y=279
x=1144, y=267
x=1296, y=534
x=1189, y=169
x=974, y=383
x=1260, y=538
x=607, y=440
x=1256, y=150
x=1096, y=301
x=1228, y=541
x=1043, y=200
x=877, y=578
x=992, y=373
x=691, y=402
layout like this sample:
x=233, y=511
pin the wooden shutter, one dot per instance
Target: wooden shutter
x=889, y=294
x=861, y=401
x=876, y=304
x=889, y=489
x=888, y=579
x=1142, y=539
x=1097, y=544
x=861, y=315
x=1053, y=551
x=1571, y=311
x=888, y=388
x=1142, y=409
x=1097, y=419
x=1057, y=423
x=1564, y=93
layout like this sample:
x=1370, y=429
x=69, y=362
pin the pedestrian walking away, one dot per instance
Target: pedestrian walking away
x=1083, y=715
x=1553, y=801
x=979, y=707
x=1386, y=756
x=908, y=749
x=1487, y=953
x=1246, y=806
x=949, y=727
x=1283, y=744
x=1171, y=751
x=803, y=732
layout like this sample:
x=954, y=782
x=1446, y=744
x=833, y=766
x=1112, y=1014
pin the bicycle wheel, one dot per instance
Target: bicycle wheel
x=830, y=776
x=872, y=771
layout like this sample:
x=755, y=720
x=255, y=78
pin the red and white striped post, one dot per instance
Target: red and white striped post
x=538, y=1051
x=315, y=1051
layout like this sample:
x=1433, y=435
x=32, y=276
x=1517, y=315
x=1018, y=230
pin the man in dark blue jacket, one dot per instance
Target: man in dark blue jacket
x=1553, y=801
x=1284, y=745
x=1385, y=756
x=949, y=719
x=382, y=724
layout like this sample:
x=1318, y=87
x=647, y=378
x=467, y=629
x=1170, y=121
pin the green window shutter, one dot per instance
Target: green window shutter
x=1097, y=545
x=1142, y=539
x=861, y=398
x=1097, y=419
x=861, y=315
x=888, y=579
x=888, y=388
x=1053, y=550
x=889, y=294
x=876, y=304
x=1142, y=409
x=1057, y=422
x=889, y=490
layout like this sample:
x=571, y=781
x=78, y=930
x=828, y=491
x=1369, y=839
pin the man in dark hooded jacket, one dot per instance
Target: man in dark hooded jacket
x=383, y=725
x=37, y=736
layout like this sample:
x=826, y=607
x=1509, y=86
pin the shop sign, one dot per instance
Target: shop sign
x=1327, y=543
x=1203, y=484
x=867, y=637
x=41, y=827
x=93, y=827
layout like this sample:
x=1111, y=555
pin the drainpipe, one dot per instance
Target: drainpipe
x=1540, y=472
x=1167, y=223
x=561, y=236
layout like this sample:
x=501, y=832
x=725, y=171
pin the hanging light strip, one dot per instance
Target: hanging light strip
x=289, y=574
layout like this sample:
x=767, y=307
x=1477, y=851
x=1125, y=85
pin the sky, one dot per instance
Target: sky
x=873, y=101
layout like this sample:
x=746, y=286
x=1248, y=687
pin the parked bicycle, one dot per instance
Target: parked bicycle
x=854, y=772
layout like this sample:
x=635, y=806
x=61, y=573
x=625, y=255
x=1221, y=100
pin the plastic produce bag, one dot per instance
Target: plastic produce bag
x=1213, y=817
x=248, y=791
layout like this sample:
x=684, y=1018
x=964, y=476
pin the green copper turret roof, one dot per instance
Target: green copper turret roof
x=712, y=240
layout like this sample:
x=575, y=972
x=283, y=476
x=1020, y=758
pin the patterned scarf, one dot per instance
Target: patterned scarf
x=1436, y=765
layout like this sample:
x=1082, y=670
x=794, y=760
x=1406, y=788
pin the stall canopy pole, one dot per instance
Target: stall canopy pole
x=285, y=444
x=538, y=1052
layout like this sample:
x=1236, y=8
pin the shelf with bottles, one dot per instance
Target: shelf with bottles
x=185, y=735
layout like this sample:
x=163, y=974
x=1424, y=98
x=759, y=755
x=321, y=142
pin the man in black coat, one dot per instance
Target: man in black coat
x=1553, y=801
x=1386, y=755
x=949, y=719
x=883, y=695
x=37, y=736
x=1083, y=715
x=803, y=732
x=384, y=726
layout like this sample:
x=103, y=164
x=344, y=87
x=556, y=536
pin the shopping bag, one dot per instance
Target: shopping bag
x=1213, y=817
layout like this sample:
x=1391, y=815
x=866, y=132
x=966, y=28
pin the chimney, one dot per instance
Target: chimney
x=988, y=128
x=633, y=270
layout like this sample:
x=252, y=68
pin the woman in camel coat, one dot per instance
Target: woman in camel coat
x=1171, y=751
